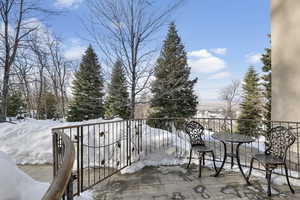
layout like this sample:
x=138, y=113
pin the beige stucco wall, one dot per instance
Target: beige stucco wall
x=285, y=35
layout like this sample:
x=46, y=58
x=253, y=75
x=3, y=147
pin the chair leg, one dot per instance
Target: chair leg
x=190, y=158
x=269, y=174
x=200, y=163
x=250, y=170
x=214, y=162
x=287, y=178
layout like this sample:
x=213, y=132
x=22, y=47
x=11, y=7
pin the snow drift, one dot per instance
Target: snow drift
x=17, y=185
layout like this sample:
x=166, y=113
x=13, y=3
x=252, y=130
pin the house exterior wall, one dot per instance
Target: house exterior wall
x=285, y=37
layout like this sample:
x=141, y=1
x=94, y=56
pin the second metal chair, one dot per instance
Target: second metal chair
x=280, y=139
x=195, y=132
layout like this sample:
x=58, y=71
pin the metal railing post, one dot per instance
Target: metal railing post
x=81, y=159
x=54, y=150
x=140, y=135
x=78, y=160
x=69, y=192
x=127, y=142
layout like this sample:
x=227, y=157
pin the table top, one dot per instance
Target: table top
x=233, y=137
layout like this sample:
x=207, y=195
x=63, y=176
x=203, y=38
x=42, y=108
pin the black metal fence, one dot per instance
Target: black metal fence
x=103, y=149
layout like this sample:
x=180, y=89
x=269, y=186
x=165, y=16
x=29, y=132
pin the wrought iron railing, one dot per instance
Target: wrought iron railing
x=63, y=156
x=103, y=149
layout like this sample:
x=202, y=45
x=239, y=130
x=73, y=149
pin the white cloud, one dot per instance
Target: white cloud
x=219, y=51
x=67, y=3
x=202, y=61
x=74, y=50
x=253, y=58
x=220, y=75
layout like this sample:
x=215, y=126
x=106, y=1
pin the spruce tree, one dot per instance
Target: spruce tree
x=87, y=89
x=15, y=103
x=117, y=103
x=267, y=83
x=173, y=94
x=251, y=104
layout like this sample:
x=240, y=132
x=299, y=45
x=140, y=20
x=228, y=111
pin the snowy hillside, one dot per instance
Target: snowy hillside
x=30, y=141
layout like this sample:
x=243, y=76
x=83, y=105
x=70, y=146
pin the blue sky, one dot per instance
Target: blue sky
x=222, y=37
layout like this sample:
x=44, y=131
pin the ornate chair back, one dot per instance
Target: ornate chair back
x=280, y=139
x=195, y=132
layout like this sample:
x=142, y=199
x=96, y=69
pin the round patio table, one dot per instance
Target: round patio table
x=232, y=138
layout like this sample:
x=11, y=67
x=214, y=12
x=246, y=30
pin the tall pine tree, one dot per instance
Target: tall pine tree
x=173, y=91
x=267, y=83
x=117, y=103
x=251, y=104
x=87, y=88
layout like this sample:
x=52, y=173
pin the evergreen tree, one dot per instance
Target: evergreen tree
x=267, y=83
x=15, y=103
x=117, y=103
x=49, y=108
x=173, y=94
x=251, y=104
x=87, y=89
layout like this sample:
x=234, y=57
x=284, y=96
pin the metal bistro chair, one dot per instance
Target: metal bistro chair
x=280, y=139
x=195, y=132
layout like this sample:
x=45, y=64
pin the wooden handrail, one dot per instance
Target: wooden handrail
x=61, y=180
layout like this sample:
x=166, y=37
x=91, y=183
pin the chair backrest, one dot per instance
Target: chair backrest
x=195, y=132
x=280, y=139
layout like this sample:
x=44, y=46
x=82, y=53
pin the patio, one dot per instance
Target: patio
x=176, y=182
x=103, y=150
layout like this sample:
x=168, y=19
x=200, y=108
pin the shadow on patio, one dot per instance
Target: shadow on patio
x=176, y=182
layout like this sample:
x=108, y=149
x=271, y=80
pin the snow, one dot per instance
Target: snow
x=17, y=185
x=87, y=195
x=30, y=141
x=154, y=159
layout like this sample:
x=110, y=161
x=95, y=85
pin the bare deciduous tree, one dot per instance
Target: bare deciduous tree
x=125, y=30
x=23, y=68
x=230, y=95
x=58, y=71
x=15, y=25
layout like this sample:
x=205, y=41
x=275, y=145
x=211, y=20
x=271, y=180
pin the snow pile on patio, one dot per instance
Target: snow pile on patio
x=87, y=195
x=17, y=185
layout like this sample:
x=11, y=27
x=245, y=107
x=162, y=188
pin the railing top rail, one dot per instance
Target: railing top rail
x=61, y=180
x=174, y=118
x=86, y=124
x=216, y=118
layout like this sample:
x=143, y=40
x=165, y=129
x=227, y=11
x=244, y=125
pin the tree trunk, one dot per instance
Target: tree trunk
x=4, y=94
x=132, y=101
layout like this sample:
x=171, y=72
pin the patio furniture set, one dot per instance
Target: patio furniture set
x=279, y=141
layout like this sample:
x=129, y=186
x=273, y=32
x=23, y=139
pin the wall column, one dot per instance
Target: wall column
x=285, y=38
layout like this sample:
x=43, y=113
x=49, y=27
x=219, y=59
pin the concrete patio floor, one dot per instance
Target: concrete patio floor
x=175, y=182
